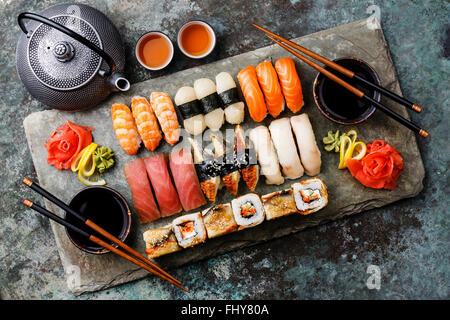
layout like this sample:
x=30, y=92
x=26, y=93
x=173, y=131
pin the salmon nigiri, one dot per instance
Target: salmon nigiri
x=146, y=122
x=164, y=110
x=252, y=93
x=290, y=84
x=125, y=128
x=268, y=80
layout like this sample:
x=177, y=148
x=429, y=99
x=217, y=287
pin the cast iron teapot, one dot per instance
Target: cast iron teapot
x=70, y=57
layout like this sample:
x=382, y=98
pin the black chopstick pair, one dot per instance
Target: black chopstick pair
x=141, y=261
x=409, y=124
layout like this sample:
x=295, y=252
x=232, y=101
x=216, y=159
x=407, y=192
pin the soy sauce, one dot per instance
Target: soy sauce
x=341, y=103
x=102, y=207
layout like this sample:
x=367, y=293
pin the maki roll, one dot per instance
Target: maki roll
x=208, y=172
x=189, y=230
x=159, y=242
x=219, y=220
x=227, y=91
x=191, y=110
x=205, y=89
x=248, y=210
x=310, y=195
x=278, y=204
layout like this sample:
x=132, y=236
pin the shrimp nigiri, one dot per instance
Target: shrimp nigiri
x=164, y=110
x=268, y=79
x=290, y=84
x=125, y=128
x=252, y=93
x=146, y=122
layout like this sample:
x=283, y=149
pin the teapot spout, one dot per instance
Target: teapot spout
x=118, y=82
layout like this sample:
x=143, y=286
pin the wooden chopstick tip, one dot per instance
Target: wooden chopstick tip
x=423, y=133
x=27, y=182
x=28, y=203
x=416, y=108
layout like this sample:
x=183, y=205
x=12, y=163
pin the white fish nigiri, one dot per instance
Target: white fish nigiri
x=227, y=91
x=267, y=157
x=205, y=89
x=283, y=139
x=190, y=108
x=306, y=143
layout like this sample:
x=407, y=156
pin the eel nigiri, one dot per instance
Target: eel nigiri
x=163, y=108
x=191, y=110
x=267, y=157
x=166, y=195
x=185, y=178
x=125, y=128
x=208, y=173
x=283, y=140
x=306, y=143
x=229, y=170
x=252, y=93
x=247, y=162
x=290, y=84
x=146, y=122
x=205, y=89
x=227, y=91
x=141, y=191
x=268, y=80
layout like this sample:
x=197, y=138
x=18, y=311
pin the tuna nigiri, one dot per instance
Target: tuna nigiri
x=165, y=192
x=163, y=108
x=141, y=191
x=268, y=80
x=185, y=179
x=125, y=128
x=249, y=167
x=146, y=122
x=252, y=93
x=290, y=83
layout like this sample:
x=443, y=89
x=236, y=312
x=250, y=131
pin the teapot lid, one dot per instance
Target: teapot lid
x=59, y=61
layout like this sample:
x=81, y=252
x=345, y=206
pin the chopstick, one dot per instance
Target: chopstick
x=344, y=71
x=157, y=270
x=410, y=125
x=98, y=241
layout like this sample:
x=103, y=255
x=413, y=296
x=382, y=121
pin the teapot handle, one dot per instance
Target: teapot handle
x=70, y=33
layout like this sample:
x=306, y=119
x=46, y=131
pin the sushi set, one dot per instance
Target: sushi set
x=222, y=156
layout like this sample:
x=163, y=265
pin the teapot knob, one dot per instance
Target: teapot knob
x=63, y=51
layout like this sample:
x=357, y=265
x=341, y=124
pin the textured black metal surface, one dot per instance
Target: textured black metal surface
x=91, y=92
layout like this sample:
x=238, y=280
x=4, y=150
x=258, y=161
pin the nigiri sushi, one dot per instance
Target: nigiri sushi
x=290, y=84
x=252, y=93
x=229, y=169
x=163, y=108
x=191, y=110
x=283, y=140
x=146, y=122
x=185, y=178
x=247, y=164
x=141, y=191
x=208, y=173
x=268, y=80
x=306, y=143
x=205, y=89
x=227, y=91
x=166, y=195
x=125, y=128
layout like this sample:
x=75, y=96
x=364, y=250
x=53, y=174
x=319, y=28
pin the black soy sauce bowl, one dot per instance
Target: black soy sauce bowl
x=340, y=105
x=104, y=206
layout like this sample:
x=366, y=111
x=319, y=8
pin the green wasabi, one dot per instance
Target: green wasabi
x=103, y=158
x=332, y=141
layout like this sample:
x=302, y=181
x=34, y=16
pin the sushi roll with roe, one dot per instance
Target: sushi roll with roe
x=159, y=242
x=310, y=195
x=248, y=210
x=189, y=230
x=219, y=220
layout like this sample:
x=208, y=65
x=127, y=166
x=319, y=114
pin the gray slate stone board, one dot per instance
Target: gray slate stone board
x=363, y=39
